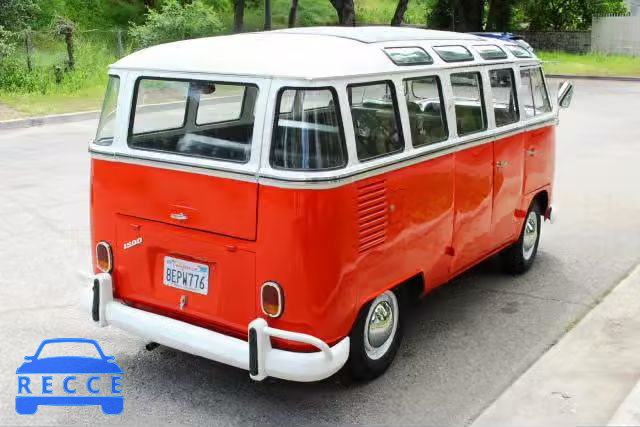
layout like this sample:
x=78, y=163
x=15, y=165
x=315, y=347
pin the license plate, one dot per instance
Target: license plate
x=187, y=275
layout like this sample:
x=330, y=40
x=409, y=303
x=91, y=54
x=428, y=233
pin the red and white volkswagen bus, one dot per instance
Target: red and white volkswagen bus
x=271, y=200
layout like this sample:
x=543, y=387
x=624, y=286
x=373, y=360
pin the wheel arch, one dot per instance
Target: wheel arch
x=409, y=289
x=541, y=201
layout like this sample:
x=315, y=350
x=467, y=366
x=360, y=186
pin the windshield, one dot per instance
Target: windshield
x=106, y=127
x=69, y=349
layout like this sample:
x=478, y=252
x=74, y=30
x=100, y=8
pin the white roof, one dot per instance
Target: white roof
x=300, y=53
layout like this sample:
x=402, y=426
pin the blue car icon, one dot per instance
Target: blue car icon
x=40, y=369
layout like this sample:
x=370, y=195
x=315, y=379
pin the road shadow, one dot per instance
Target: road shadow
x=445, y=319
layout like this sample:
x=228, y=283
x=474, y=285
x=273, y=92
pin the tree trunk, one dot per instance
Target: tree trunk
x=293, y=13
x=267, y=15
x=68, y=37
x=346, y=12
x=499, y=15
x=398, y=16
x=471, y=12
x=238, y=16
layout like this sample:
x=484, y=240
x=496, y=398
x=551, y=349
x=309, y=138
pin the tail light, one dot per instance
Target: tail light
x=272, y=299
x=104, y=257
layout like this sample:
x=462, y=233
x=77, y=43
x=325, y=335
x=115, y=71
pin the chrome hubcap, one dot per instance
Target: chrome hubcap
x=530, y=235
x=382, y=321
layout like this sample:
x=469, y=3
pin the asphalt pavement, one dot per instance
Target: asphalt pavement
x=463, y=345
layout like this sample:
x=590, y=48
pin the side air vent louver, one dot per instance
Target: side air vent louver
x=373, y=216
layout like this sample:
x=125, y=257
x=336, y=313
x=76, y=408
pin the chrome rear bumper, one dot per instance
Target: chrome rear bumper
x=257, y=356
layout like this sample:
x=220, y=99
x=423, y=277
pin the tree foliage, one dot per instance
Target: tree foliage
x=17, y=14
x=6, y=45
x=539, y=15
x=174, y=22
x=458, y=15
x=562, y=15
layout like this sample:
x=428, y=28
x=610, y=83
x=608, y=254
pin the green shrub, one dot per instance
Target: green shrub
x=6, y=45
x=92, y=59
x=176, y=22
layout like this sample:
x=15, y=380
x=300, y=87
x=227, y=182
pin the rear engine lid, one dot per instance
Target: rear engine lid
x=184, y=273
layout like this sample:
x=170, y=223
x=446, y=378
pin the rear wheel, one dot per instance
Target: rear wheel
x=519, y=257
x=375, y=337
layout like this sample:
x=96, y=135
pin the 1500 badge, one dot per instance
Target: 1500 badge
x=133, y=243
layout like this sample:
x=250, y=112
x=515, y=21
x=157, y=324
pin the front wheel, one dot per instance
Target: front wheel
x=375, y=337
x=519, y=257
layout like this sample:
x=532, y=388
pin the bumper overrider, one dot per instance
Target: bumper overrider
x=257, y=356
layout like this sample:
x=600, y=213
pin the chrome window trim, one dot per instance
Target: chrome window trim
x=310, y=181
x=258, y=170
x=175, y=166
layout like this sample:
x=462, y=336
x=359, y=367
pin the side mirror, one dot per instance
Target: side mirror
x=565, y=93
x=28, y=358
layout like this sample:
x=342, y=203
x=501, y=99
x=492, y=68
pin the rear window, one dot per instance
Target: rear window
x=194, y=118
x=307, y=131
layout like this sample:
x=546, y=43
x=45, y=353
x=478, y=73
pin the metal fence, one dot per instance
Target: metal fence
x=616, y=35
x=47, y=49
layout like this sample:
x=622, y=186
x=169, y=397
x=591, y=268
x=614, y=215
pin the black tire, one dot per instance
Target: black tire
x=519, y=257
x=362, y=366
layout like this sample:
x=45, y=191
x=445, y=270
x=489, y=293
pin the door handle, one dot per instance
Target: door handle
x=501, y=164
x=179, y=216
x=531, y=152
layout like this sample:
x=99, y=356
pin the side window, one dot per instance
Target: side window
x=469, y=103
x=534, y=91
x=503, y=89
x=540, y=95
x=375, y=119
x=193, y=118
x=307, y=132
x=426, y=108
x=527, y=93
x=106, y=127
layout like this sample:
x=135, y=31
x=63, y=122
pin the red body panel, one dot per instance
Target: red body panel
x=473, y=200
x=331, y=250
x=507, y=188
x=539, y=158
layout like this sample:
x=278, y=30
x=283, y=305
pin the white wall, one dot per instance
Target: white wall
x=634, y=6
x=616, y=34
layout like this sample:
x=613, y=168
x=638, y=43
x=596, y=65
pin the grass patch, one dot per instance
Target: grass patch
x=34, y=104
x=591, y=64
x=37, y=93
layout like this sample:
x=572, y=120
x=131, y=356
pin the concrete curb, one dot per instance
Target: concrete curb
x=606, y=78
x=47, y=120
x=590, y=377
x=628, y=413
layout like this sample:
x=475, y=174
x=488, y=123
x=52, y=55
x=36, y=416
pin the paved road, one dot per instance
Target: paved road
x=464, y=344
